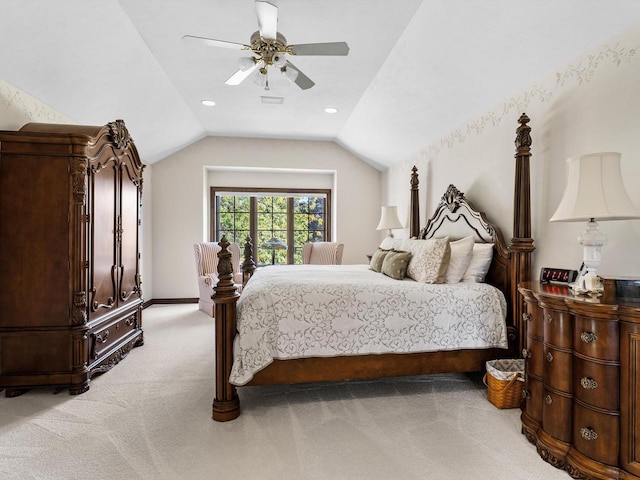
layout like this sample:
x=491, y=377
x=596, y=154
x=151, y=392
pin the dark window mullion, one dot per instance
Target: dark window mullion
x=290, y=228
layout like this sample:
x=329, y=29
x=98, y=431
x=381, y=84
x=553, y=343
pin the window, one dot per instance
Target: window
x=279, y=222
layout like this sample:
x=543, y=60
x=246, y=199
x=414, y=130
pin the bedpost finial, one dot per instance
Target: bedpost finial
x=224, y=256
x=414, y=178
x=248, y=265
x=523, y=135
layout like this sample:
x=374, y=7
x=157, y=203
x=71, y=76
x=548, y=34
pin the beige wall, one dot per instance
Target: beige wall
x=181, y=195
x=591, y=105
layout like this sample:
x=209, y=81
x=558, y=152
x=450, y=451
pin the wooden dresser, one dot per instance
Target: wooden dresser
x=582, y=381
x=70, y=288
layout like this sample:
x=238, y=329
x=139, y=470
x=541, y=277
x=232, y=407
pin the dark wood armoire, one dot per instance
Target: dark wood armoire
x=70, y=284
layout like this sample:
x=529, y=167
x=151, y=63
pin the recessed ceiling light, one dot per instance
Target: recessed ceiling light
x=208, y=103
x=331, y=110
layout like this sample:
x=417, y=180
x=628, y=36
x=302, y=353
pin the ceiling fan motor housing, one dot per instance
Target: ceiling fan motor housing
x=271, y=52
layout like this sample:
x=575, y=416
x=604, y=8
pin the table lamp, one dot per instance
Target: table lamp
x=594, y=191
x=389, y=220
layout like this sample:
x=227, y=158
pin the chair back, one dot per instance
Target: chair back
x=322, y=253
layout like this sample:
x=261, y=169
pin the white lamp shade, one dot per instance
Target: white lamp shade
x=594, y=190
x=389, y=219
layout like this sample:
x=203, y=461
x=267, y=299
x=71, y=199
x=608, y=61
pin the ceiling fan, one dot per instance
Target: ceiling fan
x=269, y=48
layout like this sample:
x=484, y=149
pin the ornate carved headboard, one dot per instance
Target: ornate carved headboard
x=455, y=217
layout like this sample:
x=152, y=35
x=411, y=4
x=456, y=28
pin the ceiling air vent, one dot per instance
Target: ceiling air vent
x=272, y=100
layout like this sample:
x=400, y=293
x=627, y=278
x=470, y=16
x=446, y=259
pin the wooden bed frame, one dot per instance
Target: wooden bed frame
x=511, y=264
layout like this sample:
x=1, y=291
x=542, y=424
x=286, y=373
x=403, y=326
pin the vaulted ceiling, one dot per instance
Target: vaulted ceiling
x=416, y=69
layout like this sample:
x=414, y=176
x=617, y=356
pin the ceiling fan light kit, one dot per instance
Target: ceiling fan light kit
x=270, y=48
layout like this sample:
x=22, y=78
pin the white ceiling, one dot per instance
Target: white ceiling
x=416, y=69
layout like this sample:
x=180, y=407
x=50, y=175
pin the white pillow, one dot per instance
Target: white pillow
x=390, y=243
x=480, y=262
x=461, y=253
x=429, y=258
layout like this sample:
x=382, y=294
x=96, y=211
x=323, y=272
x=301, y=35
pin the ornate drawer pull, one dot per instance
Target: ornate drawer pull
x=526, y=395
x=548, y=317
x=588, y=433
x=526, y=353
x=102, y=338
x=588, y=383
x=588, y=337
x=526, y=316
x=129, y=321
x=549, y=357
x=548, y=399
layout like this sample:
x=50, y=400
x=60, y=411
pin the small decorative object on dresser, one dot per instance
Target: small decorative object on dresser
x=582, y=380
x=70, y=286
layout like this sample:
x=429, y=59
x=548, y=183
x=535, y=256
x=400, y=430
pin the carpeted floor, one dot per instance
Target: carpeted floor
x=150, y=418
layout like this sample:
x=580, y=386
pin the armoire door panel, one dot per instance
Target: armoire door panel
x=103, y=274
x=128, y=221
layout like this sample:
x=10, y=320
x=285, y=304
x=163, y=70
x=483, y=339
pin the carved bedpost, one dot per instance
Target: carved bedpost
x=414, y=226
x=226, y=405
x=248, y=265
x=521, y=243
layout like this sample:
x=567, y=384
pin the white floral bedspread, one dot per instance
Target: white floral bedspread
x=292, y=311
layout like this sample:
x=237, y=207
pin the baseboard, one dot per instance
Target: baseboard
x=168, y=301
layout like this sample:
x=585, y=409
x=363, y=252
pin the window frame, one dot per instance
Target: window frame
x=253, y=219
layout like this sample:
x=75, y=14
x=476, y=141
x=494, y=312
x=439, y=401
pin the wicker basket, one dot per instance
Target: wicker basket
x=504, y=382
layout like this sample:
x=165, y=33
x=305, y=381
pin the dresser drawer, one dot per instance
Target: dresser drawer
x=556, y=415
x=533, y=321
x=596, y=384
x=596, y=338
x=103, y=337
x=558, y=369
x=596, y=434
x=534, y=357
x=558, y=328
x=534, y=393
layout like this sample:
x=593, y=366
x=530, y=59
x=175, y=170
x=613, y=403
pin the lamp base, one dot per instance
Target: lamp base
x=588, y=283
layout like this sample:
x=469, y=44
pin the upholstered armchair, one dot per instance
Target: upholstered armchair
x=322, y=253
x=207, y=267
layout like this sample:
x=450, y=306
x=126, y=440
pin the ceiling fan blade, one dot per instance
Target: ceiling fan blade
x=301, y=80
x=267, y=19
x=215, y=43
x=240, y=76
x=331, y=48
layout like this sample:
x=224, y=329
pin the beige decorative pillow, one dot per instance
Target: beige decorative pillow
x=376, y=260
x=395, y=264
x=480, y=263
x=461, y=252
x=429, y=259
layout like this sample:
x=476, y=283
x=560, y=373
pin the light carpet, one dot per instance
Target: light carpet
x=150, y=418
